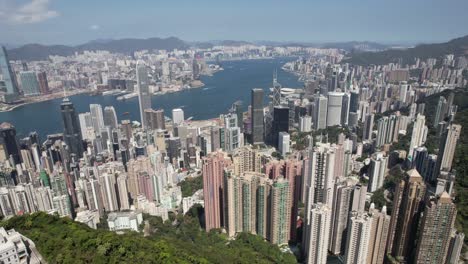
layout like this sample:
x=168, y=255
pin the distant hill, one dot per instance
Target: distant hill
x=356, y=46
x=458, y=46
x=31, y=52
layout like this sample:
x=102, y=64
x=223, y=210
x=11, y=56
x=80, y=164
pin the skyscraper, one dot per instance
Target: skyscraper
x=144, y=97
x=280, y=212
x=160, y=119
x=29, y=83
x=456, y=245
x=257, y=116
x=124, y=203
x=377, y=171
x=334, y=109
x=319, y=178
x=305, y=123
x=177, y=116
x=317, y=234
x=441, y=111
x=107, y=182
x=319, y=117
x=418, y=137
x=339, y=218
x=9, y=144
x=72, y=131
x=380, y=223
x=283, y=143
x=386, y=128
x=110, y=117
x=245, y=201
x=407, y=206
x=358, y=236
x=436, y=226
x=367, y=129
x=447, y=146
x=213, y=173
x=280, y=122
x=97, y=117
x=43, y=83
x=8, y=76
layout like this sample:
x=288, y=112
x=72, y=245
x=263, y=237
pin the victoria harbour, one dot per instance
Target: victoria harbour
x=219, y=93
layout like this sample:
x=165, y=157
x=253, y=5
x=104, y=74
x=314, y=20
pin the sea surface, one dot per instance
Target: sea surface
x=217, y=96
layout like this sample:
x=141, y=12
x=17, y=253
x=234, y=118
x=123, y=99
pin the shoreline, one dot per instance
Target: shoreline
x=40, y=100
x=90, y=91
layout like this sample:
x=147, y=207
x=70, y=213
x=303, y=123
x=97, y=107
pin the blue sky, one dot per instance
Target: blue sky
x=78, y=21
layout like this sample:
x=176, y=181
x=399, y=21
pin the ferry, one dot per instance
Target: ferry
x=127, y=96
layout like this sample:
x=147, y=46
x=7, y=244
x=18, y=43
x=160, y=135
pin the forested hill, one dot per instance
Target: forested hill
x=460, y=163
x=31, y=52
x=61, y=240
x=458, y=46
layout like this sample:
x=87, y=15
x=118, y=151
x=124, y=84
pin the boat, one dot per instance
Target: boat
x=127, y=96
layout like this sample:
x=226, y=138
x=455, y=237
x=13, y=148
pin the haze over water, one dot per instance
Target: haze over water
x=219, y=93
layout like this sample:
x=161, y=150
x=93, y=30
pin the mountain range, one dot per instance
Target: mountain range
x=458, y=47
x=32, y=52
x=360, y=52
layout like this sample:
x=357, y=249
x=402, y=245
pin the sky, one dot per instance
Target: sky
x=74, y=22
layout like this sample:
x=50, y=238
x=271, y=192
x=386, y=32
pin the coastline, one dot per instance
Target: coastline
x=81, y=91
x=45, y=99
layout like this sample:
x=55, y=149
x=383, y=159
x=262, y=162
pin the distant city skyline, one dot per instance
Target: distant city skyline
x=73, y=23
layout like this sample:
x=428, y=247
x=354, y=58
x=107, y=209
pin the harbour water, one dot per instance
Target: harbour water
x=219, y=93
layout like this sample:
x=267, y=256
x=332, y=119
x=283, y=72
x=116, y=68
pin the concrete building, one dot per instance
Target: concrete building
x=418, y=137
x=16, y=248
x=380, y=223
x=258, y=132
x=455, y=247
x=29, y=83
x=436, y=226
x=305, y=123
x=358, y=237
x=408, y=204
x=377, y=171
x=177, y=116
x=110, y=117
x=319, y=117
x=284, y=143
x=280, y=222
x=368, y=127
x=144, y=96
x=319, y=176
x=317, y=234
x=9, y=78
x=339, y=218
x=447, y=147
x=213, y=173
x=334, y=108
x=43, y=83
x=123, y=221
x=72, y=131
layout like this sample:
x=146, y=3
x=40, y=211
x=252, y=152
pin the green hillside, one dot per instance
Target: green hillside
x=61, y=240
x=458, y=46
x=460, y=163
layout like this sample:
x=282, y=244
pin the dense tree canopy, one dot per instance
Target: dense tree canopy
x=61, y=240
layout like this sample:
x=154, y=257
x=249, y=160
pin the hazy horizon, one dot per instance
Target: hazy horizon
x=73, y=23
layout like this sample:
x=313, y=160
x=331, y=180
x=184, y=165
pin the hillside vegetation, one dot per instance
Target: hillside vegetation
x=61, y=240
x=458, y=46
x=460, y=163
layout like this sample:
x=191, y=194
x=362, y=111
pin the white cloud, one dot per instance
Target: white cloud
x=94, y=27
x=34, y=11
